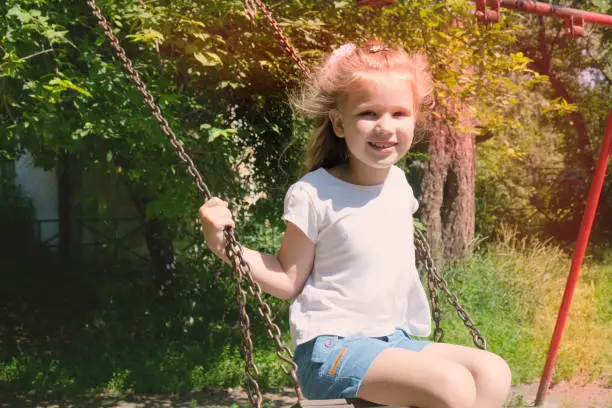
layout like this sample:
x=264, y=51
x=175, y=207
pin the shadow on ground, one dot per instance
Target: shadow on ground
x=205, y=399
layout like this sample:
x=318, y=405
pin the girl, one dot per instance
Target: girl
x=347, y=255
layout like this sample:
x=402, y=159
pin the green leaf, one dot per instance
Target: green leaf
x=208, y=59
x=19, y=13
x=58, y=85
x=147, y=36
x=54, y=36
x=194, y=22
x=214, y=133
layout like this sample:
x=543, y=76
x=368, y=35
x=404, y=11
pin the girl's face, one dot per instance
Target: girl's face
x=376, y=119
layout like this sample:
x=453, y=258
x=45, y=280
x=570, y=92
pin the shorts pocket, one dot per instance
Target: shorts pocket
x=322, y=348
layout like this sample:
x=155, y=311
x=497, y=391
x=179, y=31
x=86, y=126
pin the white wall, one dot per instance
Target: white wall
x=41, y=187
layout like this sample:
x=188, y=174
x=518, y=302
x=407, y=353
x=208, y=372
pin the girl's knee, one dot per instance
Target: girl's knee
x=456, y=387
x=497, y=376
x=500, y=369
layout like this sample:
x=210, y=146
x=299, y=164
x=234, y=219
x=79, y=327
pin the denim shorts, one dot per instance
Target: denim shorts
x=332, y=367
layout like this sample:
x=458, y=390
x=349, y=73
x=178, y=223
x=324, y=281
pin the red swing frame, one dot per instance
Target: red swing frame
x=488, y=11
x=575, y=20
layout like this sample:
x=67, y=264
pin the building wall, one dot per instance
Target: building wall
x=40, y=186
x=102, y=217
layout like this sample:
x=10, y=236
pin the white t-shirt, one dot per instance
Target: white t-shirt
x=364, y=280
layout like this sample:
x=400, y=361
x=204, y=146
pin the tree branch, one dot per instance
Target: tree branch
x=542, y=46
x=485, y=135
x=37, y=54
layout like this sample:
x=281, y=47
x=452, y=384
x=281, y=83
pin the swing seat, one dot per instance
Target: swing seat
x=338, y=403
x=435, y=281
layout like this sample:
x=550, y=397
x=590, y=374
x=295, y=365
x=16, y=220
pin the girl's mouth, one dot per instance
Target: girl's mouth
x=382, y=147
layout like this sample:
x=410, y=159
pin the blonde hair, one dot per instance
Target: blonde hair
x=338, y=72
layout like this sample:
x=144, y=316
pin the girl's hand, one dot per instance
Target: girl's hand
x=215, y=217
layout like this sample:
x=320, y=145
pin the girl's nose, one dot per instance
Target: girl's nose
x=382, y=132
x=383, y=127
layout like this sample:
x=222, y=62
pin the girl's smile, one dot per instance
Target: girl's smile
x=383, y=147
x=376, y=120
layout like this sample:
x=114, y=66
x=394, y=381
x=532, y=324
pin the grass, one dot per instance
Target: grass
x=512, y=289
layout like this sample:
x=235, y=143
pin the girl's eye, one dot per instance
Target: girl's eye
x=400, y=114
x=367, y=114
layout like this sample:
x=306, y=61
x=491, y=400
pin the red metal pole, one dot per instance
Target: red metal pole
x=545, y=9
x=581, y=245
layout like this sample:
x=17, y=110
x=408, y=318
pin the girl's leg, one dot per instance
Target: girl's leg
x=439, y=376
x=418, y=379
x=490, y=372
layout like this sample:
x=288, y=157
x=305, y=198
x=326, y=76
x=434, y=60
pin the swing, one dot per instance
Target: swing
x=241, y=269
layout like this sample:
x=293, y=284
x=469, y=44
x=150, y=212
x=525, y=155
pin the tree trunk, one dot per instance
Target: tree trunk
x=459, y=214
x=448, y=186
x=158, y=240
x=432, y=186
x=156, y=234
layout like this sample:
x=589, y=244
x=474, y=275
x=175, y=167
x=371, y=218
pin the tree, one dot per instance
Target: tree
x=448, y=187
x=223, y=82
x=578, y=73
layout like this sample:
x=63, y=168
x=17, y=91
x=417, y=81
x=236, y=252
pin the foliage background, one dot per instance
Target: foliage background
x=223, y=83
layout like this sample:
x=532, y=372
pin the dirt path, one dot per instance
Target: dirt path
x=563, y=395
x=570, y=395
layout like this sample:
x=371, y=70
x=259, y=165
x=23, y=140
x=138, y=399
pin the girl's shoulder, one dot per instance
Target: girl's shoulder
x=398, y=171
x=308, y=183
x=319, y=186
x=313, y=175
x=315, y=179
x=404, y=185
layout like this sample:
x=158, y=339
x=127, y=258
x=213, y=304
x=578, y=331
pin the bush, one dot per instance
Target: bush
x=101, y=328
x=513, y=288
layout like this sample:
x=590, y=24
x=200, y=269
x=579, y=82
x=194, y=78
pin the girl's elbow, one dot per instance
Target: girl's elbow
x=285, y=296
x=280, y=292
x=289, y=292
x=296, y=289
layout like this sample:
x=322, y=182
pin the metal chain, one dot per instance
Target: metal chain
x=436, y=282
x=251, y=9
x=234, y=251
x=150, y=101
x=242, y=268
x=284, y=41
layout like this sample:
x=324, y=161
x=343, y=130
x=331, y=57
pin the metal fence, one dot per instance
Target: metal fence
x=118, y=237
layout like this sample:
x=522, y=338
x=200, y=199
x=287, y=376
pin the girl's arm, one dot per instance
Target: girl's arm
x=282, y=275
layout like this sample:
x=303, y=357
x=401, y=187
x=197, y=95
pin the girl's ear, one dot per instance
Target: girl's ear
x=337, y=124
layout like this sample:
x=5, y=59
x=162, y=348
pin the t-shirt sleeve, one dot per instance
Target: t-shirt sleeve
x=414, y=203
x=301, y=211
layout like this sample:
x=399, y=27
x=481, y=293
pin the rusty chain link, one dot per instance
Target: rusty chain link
x=149, y=100
x=284, y=41
x=241, y=268
x=435, y=282
x=242, y=271
x=234, y=251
